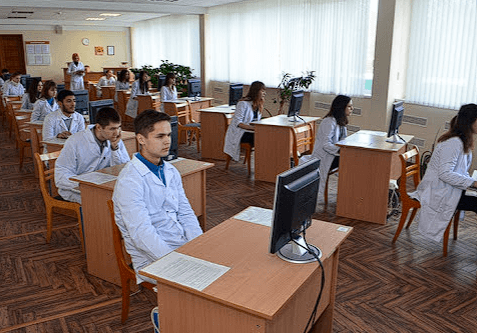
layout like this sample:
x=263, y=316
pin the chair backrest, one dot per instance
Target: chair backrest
x=12, y=98
x=409, y=169
x=47, y=176
x=303, y=141
x=22, y=131
x=183, y=116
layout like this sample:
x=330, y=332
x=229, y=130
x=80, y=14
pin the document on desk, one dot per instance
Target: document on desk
x=472, y=192
x=186, y=270
x=95, y=177
x=256, y=215
x=56, y=141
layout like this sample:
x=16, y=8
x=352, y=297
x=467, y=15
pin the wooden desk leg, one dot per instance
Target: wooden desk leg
x=203, y=217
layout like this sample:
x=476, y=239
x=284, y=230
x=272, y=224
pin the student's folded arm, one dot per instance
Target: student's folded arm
x=48, y=130
x=449, y=156
x=36, y=113
x=65, y=168
x=120, y=155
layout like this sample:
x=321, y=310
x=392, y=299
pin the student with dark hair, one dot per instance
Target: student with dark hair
x=65, y=121
x=168, y=90
x=47, y=103
x=109, y=79
x=3, y=77
x=32, y=94
x=122, y=83
x=97, y=147
x=248, y=109
x=139, y=87
x=13, y=87
x=150, y=205
x=442, y=189
x=332, y=129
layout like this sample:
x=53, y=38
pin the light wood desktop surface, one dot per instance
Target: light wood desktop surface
x=100, y=256
x=201, y=103
x=367, y=163
x=273, y=145
x=213, y=126
x=261, y=292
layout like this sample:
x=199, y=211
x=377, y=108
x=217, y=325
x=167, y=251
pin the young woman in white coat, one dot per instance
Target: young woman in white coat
x=46, y=103
x=168, y=91
x=240, y=130
x=442, y=189
x=13, y=87
x=77, y=71
x=139, y=87
x=332, y=129
x=32, y=95
x=109, y=79
x=122, y=83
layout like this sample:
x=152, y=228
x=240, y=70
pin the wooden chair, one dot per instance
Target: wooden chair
x=47, y=182
x=303, y=141
x=11, y=103
x=125, y=271
x=187, y=125
x=22, y=135
x=248, y=153
x=412, y=169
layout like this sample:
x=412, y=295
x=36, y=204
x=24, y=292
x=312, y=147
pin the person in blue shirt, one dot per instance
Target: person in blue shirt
x=151, y=208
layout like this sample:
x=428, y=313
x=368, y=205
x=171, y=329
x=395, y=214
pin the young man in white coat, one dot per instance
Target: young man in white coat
x=151, y=208
x=97, y=147
x=65, y=121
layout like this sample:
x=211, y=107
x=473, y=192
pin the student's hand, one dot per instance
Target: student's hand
x=64, y=135
x=115, y=142
x=474, y=184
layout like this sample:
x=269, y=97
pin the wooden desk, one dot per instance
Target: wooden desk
x=260, y=293
x=145, y=102
x=108, y=92
x=213, y=126
x=97, y=231
x=202, y=103
x=367, y=163
x=274, y=144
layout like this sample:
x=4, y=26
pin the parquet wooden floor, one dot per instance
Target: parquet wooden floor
x=406, y=287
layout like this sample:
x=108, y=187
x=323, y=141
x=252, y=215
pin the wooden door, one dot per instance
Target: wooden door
x=12, y=55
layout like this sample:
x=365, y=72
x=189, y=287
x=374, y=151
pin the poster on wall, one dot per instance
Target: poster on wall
x=38, y=53
x=98, y=50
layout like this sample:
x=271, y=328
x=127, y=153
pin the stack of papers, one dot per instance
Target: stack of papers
x=472, y=191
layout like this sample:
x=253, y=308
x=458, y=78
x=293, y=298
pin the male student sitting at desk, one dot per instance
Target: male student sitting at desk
x=63, y=122
x=97, y=147
x=150, y=205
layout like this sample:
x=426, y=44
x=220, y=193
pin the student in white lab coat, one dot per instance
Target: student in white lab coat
x=442, y=189
x=46, y=103
x=32, y=94
x=97, y=147
x=76, y=70
x=240, y=130
x=109, y=79
x=151, y=209
x=13, y=87
x=63, y=122
x=139, y=87
x=3, y=77
x=168, y=91
x=332, y=129
x=122, y=82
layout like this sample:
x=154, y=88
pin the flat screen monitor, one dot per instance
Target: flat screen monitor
x=296, y=192
x=296, y=102
x=23, y=80
x=82, y=99
x=193, y=87
x=95, y=106
x=396, y=121
x=173, y=150
x=6, y=77
x=29, y=80
x=161, y=81
x=235, y=93
x=59, y=87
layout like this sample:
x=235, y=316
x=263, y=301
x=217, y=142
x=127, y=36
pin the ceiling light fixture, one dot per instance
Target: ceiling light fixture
x=110, y=14
x=95, y=19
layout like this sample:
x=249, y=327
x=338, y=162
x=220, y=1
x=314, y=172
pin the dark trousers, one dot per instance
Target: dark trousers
x=335, y=163
x=467, y=202
x=248, y=137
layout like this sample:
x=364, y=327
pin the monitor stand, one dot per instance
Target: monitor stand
x=395, y=139
x=293, y=119
x=296, y=254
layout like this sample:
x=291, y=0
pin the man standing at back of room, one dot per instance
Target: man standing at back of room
x=63, y=122
x=151, y=208
x=97, y=147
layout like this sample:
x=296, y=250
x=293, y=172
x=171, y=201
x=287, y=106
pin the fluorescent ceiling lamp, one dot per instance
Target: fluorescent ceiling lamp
x=95, y=19
x=109, y=14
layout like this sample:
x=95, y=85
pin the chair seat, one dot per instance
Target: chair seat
x=192, y=125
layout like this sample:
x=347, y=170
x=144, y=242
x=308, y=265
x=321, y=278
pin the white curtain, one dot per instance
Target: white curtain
x=442, y=66
x=175, y=38
x=260, y=40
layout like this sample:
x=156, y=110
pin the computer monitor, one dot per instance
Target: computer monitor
x=296, y=191
x=95, y=106
x=23, y=79
x=59, y=87
x=29, y=80
x=174, y=148
x=161, y=81
x=235, y=93
x=6, y=77
x=193, y=87
x=295, y=104
x=396, y=121
x=82, y=99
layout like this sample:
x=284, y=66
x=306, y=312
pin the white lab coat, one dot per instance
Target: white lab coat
x=104, y=81
x=54, y=124
x=27, y=104
x=441, y=187
x=81, y=154
x=243, y=114
x=131, y=108
x=325, y=149
x=154, y=219
x=167, y=95
x=120, y=86
x=11, y=88
x=76, y=81
x=41, y=108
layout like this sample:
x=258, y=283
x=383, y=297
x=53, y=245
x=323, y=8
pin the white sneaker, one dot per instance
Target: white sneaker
x=155, y=319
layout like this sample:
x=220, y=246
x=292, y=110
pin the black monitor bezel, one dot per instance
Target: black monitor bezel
x=396, y=118
x=190, y=83
x=232, y=88
x=296, y=102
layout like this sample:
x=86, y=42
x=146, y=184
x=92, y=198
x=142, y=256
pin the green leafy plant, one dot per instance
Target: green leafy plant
x=288, y=84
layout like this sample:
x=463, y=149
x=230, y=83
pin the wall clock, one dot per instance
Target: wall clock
x=85, y=41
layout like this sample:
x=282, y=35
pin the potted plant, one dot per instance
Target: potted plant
x=288, y=84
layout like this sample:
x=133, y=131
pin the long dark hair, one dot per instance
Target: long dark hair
x=169, y=76
x=33, y=90
x=122, y=75
x=338, y=109
x=46, y=87
x=255, y=96
x=143, y=87
x=461, y=126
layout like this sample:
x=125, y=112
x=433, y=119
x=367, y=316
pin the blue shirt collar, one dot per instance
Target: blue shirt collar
x=158, y=170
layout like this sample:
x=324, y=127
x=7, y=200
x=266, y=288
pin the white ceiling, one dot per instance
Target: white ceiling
x=73, y=13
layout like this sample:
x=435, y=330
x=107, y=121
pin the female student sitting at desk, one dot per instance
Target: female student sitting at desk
x=13, y=87
x=46, y=103
x=332, y=129
x=139, y=87
x=442, y=189
x=109, y=79
x=76, y=70
x=240, y=130
x=122, y=83
x=32, y=94
x=168, y=91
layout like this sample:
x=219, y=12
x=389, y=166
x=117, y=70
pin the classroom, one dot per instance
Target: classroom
x=378, y=52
